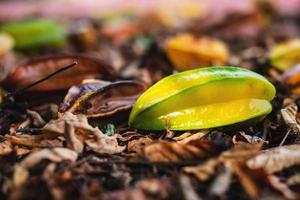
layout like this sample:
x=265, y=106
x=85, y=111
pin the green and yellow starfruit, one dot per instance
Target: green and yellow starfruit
x=35, y=33
x=203, y=98
x=285, y=55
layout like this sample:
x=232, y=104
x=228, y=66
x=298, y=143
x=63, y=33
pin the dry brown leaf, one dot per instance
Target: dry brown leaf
x=240, y=153
x=289, y=116
x=187, y=136
x=154, y=187
x=282, y=188
x=243, y=137
x=294, y=180
x=143, y=190
x=276, y=159
x=21, y=172
x=33, y=141
x=138, y=145
x=221, y=183
x=54, y=155
x=204, y=171
x=72, y=141
x=38, y=121
x=251, y=180
x=21, y=151
x=171, y=151
x=39, y=67
x=5, y=148
x=76, y=130
x=187, y=188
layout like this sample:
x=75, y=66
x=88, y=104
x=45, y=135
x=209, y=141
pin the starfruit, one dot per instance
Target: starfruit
x=35, y=33
x=285, y=55
x=187, y=52
x=203, y=98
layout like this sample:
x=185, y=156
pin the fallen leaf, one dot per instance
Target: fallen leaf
x=240, y=152
x=204, y=171
x=76, y=130
x=282, y=188
x=251, y=180
x=144, y=190
x=187, y=188
x=137, y=145
x=21, y=172
x=188, y=136
x=54, y=155
x=171, y=151
x=289, y=116
x=243, y=137
x=294, y=180
x=221, y=183
x=75, y=92
x=276, y=159
x=33, y=141
x=5, y=148
x=38, y=121
x=37, y=68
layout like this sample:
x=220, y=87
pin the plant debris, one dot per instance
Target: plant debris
x=71, y=73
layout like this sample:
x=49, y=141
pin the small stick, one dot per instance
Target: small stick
x=41, y=80
x=284, y=138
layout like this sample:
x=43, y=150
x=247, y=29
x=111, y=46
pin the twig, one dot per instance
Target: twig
x=30, y=130
x=286, y=135
x=151, y=163
x=19, y=91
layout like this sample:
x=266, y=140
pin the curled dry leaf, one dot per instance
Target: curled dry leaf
x=98, y=99
x=77, y=131
x=33, y=141
x=171, y=151
x=240, y=153
x=57, y=155
x=137, y=145
x=188, y=136
x=276, y=159
x=289, y=117
x=204, y=171
x=54, y=155
x=75, y=92
x=243, y=137
x=294, y=180
x=221, y=183
x=5, y=148
x=144, y=189
x=37, y=68
x=235, y=161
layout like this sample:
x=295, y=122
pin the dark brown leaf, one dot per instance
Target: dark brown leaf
x=37, y=68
